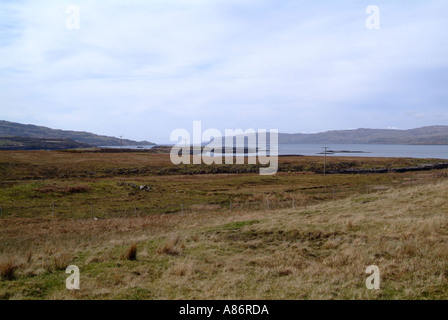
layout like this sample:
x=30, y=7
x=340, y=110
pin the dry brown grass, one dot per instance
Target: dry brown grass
x=314, y=252
x=131, y=253
x=7, y=269
x=181, y=269
x=205, y=207
x=53, y=164
x=42, y=184
x=173, y=246
x=55, y=188
x=62, y=260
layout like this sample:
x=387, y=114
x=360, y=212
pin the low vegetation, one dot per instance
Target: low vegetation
x=7, y=269
x=317, y=252
x=310, y=244
x=87, y=185
x=173, y=246
x=29, y=132
x=131, y=253
x=22, y=143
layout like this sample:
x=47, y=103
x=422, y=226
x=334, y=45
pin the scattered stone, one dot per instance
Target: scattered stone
x=145, y=188
x=132, y=185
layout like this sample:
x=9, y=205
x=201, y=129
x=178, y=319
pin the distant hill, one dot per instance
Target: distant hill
x=433, y=135
x=13, y=129
x=25, y=143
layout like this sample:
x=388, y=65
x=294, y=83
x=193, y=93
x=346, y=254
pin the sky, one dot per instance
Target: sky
x=143, y=68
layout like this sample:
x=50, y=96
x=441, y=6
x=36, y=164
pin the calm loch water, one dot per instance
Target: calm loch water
x=367, y=150
x=356, y=150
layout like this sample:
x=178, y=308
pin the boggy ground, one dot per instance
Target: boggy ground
x=79, y=185
x=317, y=250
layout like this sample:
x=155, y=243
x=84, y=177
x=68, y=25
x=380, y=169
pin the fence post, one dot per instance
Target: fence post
x=135, y=211
x=52, y=208
x=334, y=195
x=1, y=212
x=367, y=188
x=230, y=205
x=182, y=209
x=293, y=202
x=267, y=203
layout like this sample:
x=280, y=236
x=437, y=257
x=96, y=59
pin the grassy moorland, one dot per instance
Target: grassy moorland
x=317, y=250
x=20, y=165
x=31, y=182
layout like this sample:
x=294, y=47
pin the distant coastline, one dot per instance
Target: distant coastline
x=25, y=133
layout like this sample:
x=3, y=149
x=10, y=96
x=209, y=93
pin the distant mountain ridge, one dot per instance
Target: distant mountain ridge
x=13, y=129
x=431, y=135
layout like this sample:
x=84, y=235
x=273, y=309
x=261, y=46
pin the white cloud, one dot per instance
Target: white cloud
x=143, y=68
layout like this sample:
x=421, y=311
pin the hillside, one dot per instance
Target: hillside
x=433, y=135
x=13, y=129
x=20, y=143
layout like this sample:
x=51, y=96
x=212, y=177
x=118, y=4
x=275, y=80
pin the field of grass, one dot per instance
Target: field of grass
x=108, y=185
x=36, y=165
x=317, y=250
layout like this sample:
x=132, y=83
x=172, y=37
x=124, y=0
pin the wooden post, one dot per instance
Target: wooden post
x=52, y=207
x=325, y=161
x=230, y=206
x=367, y=188
x=293, y=202
x=267, y=203
x=1, y=212
x=135, y=211
x=334, y=196
x=182, y=209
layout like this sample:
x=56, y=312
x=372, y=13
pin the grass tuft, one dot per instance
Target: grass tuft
x=131, y=253
x=8, y=269
x=173, y=247
x=62, y=260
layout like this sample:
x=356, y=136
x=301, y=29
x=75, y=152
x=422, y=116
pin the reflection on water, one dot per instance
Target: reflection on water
x=348, y=150
x=363, y=150
x=130, y=147
x=367, y=150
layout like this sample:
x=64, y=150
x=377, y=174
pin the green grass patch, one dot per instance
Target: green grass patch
x=236, y=225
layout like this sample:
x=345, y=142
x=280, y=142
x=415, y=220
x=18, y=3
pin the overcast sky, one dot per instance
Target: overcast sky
x=144, y=68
